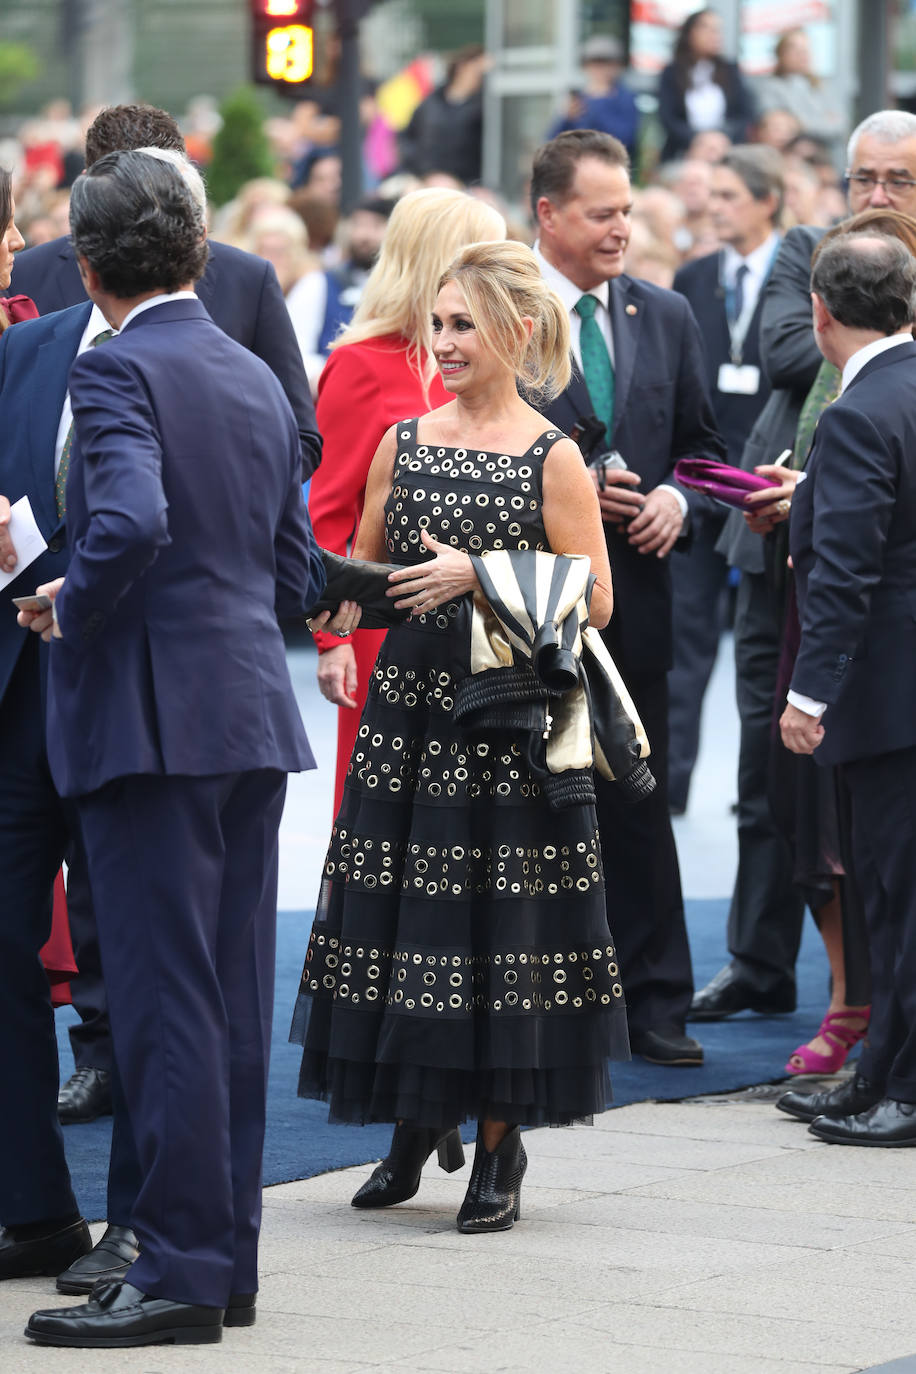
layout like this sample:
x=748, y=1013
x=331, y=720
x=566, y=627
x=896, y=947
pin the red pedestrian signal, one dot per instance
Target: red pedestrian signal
x=283, y=42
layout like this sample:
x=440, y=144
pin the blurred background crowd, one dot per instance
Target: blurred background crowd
x=274, y=168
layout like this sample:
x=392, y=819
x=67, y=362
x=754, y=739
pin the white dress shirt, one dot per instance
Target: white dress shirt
x=758, y=264
x=97, y=324
x=852, y=369
x=570, y=295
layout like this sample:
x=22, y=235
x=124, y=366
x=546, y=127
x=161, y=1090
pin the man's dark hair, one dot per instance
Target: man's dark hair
x=760, y=168
x=555, y=163
x=867, y=281
x=134, y=219
x=6, y=200
x=120, y=128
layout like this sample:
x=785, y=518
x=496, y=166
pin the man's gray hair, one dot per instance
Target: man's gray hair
x=887, y=126
x=193, y=178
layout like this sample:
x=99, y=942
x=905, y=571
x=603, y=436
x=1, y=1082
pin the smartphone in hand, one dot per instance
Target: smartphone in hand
x=32, y=603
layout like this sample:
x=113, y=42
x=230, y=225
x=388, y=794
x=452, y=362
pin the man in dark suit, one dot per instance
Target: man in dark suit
x=41, y=1230
x=853, y=543
x=767, y=909
x=638, y=388
x=243, y=296
x=172, y=722
x=725, y=292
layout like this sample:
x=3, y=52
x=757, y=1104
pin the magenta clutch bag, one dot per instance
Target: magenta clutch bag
x=725, y=484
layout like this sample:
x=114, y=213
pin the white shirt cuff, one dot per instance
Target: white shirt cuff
x=681, y=498
x=806, y=704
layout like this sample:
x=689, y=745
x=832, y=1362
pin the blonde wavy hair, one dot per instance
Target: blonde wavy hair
x=503, y=286
x=425, y=231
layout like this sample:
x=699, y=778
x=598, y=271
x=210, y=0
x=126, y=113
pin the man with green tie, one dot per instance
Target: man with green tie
x=637, y=403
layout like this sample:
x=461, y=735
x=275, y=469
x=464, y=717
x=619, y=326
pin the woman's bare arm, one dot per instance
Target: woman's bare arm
x=572, y=520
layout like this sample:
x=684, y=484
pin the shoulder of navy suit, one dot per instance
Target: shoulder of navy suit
x=61, y=326
x=902, y=354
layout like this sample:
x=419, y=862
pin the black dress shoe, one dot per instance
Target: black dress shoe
x=85, y=1095
x=887, y=1123
x=48, y=1254
x=728, y=993
x=118, y=1314
x=108, y=1260
x=668, y=1046
x=241, y=1310
x=856, y=1095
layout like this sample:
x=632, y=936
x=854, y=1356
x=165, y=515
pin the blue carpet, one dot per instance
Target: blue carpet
x=745, y=1050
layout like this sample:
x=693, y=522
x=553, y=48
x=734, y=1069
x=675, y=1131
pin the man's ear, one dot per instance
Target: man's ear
x=91, y=279
x=543, y=213
x=822, y=316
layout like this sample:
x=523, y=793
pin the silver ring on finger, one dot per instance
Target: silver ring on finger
x=343, y=634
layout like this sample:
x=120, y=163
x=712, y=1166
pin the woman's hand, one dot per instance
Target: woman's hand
x=427, y=586
x=341, y=622
x=770, y=507
x=337, y=679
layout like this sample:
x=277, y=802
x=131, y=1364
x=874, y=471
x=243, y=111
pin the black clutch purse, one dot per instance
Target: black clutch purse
x=353, y=579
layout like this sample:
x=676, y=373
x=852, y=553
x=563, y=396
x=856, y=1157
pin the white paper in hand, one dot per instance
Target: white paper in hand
x=27, y=539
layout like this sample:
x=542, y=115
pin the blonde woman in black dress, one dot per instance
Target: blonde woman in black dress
x=460, y=965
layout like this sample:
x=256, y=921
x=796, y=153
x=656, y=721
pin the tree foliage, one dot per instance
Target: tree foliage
x=18, y=66
x=240, y=149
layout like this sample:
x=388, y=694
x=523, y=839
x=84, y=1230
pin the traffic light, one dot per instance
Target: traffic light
x=283, y=42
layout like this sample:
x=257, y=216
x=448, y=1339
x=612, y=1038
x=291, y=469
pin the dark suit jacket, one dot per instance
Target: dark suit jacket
x=662, y=412
x=35, y=358
x=853, y=541
x=700, y=282
x=242, y=295
x=188, y=535
x=791, y=359
x=740, y=110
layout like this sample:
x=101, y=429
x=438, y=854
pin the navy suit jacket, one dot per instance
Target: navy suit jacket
x=699, y=282
x=188, y=535
x=852, y=536
x=35, y=358
x=662, y=412
x=242, y=295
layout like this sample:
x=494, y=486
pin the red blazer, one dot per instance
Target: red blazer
x=364, y=389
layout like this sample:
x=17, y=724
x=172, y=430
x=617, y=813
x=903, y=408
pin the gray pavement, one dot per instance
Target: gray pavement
x=706, y=1237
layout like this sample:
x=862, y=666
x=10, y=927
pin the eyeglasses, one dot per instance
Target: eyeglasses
x=865, y=181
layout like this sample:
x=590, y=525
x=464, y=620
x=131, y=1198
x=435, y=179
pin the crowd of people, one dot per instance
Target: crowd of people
x=517, y=610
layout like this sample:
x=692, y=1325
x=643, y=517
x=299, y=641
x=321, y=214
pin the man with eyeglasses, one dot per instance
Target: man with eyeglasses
x=767, y=909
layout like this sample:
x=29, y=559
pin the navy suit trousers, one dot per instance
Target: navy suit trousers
x=34, y=839
x=883, y=793
x=184, y=876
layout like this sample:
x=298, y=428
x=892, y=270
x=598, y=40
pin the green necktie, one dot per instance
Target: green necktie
x=596, y=362
x=60, y=482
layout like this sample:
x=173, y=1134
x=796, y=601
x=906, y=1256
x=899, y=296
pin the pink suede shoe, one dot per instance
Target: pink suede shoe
x=839, y=1035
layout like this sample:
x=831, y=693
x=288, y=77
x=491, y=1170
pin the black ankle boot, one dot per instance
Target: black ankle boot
x=493, y=1199
x=397, y=1178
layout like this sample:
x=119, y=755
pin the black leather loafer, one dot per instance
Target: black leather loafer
x=107, y=1261
x=728, y=993
x=885, y=1124
x=118, y=1314
x=85, y=1096
x=846, y=1099
x=669, y=1047
x=241, y=1310
x=49, y=1254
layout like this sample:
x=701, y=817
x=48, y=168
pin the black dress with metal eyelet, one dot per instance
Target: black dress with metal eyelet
x=460, y=963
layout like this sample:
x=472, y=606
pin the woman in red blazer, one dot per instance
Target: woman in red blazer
x=380, y=371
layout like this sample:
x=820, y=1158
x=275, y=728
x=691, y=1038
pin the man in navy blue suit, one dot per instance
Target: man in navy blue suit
x=639, y=389
x=243, y=296
x=853, y=542
x=172, y=723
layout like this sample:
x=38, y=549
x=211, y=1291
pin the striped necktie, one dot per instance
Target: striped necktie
x=60, y=482
x=596, y=362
